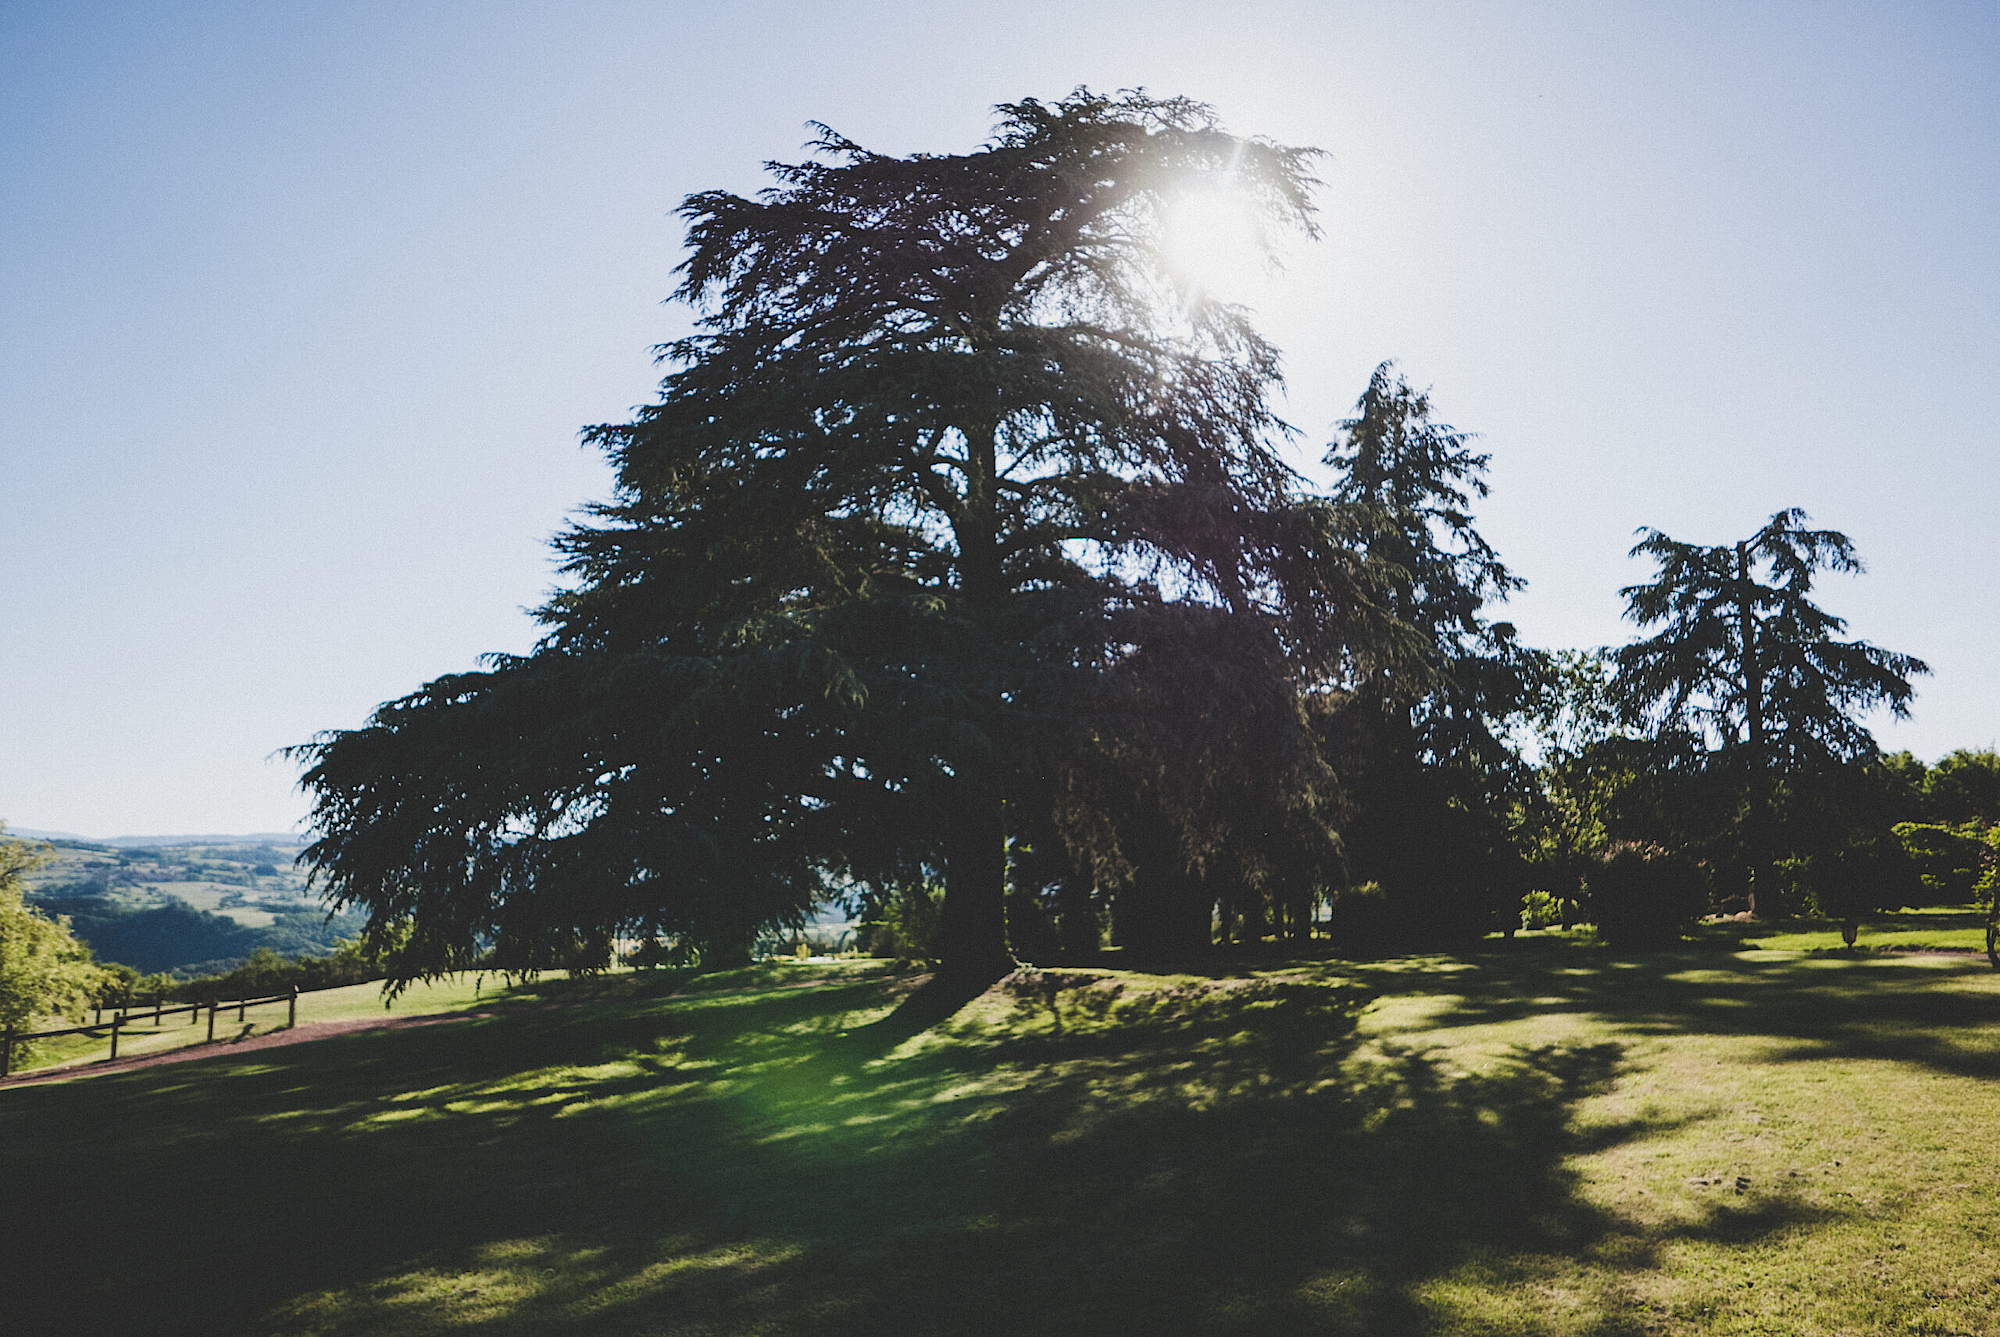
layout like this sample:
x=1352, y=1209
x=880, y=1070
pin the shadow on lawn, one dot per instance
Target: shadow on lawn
x=1865, y=1007
x=1200, y=1159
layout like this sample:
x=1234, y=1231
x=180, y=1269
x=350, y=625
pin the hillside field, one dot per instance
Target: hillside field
x=1534, y=1139
x=195, y=909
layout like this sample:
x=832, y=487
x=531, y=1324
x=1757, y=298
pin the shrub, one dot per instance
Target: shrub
x=1540, y=910
x=1643, y=897
x=1949, y=860
x=1871, y=874
x=905, y=924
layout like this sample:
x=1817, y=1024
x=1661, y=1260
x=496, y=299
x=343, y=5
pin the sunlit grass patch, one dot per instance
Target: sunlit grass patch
x=1947, y=928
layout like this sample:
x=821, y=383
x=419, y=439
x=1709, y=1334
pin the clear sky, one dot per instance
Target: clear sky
x=304, y=304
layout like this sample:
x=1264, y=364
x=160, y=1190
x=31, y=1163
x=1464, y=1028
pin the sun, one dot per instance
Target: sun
x=1213, y=245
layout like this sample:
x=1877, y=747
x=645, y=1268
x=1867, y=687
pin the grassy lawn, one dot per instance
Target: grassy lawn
x=1956, y=928
x=1541, y=1139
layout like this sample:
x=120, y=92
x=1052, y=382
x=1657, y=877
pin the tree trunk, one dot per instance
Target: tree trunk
x=1756, y=821
x=1076, y=917
x=972, y=932
x=972, y=947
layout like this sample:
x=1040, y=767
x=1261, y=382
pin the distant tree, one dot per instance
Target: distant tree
x=1963, y=787
x=1570, y=813
x=1644, y=897
x=1901, y=792
x=1422, y=734
x=960, y=511
x=44, y=971
x=1948, y=860
x=1745, y=672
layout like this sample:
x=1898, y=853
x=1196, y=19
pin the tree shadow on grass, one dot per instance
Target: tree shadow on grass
x=1868, y=1007
x=1198, y=1160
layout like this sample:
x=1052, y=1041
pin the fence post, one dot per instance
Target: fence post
x=292, y=1015
x=7, y=1050
x=159, y=1000
x=213, y=1004
x=241, y=1003
x=117, y=1020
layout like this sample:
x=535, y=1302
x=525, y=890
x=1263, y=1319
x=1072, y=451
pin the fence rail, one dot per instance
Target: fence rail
x=10, y=1037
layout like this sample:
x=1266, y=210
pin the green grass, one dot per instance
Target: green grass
x=1538, y=1140
x=1952, y=928
x=140, y=1037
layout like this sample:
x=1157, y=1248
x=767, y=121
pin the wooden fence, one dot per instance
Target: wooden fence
x=9, y=1037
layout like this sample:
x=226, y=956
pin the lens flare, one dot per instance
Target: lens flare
x=1214, y=246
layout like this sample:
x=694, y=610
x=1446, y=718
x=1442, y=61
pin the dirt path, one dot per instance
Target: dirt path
x=312, y=1030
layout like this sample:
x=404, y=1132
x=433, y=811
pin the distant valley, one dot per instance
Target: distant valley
x=196, y=906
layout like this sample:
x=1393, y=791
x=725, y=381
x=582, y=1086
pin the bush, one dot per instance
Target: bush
x=1950, y=861
x=655, y=953
x=1033, y=932
x=1643, y=897
x=906, y=923
x=263, y=973
x=1852, y=881
x=1540, y=910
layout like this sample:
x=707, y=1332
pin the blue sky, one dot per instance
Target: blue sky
x=305, y=303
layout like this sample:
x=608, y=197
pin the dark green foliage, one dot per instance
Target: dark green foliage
x=1744, y=686
x=902, y=922
x=1418, y=738
x=1643, y=898
x=1360, y=920
x=1964, y=787
x=1870, y=872
x=1744, y=661
x=956, y=519
x=1953, y=864
x=265, y=972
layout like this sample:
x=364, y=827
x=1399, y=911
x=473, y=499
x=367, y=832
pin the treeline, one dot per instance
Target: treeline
x=957, y=574
x=180, y=939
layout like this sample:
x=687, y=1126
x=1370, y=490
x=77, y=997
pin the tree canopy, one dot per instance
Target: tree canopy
x=1421, y=735
x=1744, y=673
x=959, y=523
x=960, y=548
x=44, y=970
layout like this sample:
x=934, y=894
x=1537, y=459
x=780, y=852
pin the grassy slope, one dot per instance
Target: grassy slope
x=1542, y=1140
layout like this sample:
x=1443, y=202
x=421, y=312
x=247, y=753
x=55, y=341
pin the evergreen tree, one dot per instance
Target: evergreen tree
x=1745, y=674
x=959, y=503
x=1420, y=733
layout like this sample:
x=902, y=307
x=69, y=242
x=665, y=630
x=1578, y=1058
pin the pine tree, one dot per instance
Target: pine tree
x=1745, y=670
x=955, y=498
x=1421, y=733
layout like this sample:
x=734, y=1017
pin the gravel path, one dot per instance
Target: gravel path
x=312, y=1030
